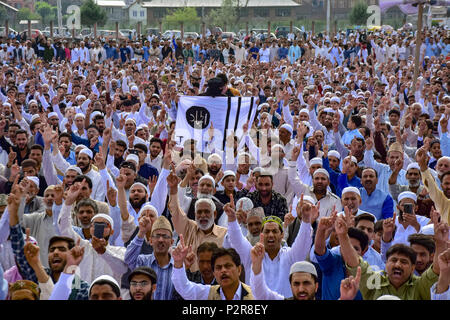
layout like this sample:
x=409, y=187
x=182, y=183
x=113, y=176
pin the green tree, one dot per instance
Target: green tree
x=46, y=11
x=92, y=13
x=359, y=15
x=186, y=15
x=3, y=15
x=228, y=14
x=27, y=14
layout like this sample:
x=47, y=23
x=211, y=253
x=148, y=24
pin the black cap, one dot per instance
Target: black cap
x=146, y=271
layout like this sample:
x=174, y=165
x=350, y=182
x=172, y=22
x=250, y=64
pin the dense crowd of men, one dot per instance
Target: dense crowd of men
x=339, y=188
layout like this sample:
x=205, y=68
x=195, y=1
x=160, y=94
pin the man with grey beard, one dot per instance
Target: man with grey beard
x=414, y=179
x=254, y=224
x=41, y=222
x=198, y=230
x=412, y=176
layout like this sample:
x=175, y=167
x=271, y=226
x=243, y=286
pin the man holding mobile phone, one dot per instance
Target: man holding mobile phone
x=406, y=223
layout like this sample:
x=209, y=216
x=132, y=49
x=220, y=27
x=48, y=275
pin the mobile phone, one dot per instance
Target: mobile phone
x=408, y=208
x=99, y=228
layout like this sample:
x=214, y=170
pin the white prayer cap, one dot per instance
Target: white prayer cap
x=304, y=267
x=316, y=160
x=53, y=114
x=80, y=96
x=32, y=101
x=34, y=117
x=309, y=199
x=277, y=146
x=74, y=168
x=351, y=189
x=334, y=153
x=228, y=173
x=413, y=165
x=322, y=171
x=388, y=297
x=243, y=154
x=96, y=112
x=335, y=99
x=134, y=88
x=138, y=184
x=330, y=110
x=247, y=204
x=104, y=216
x=214, y=158
x=79, y=115
x=130, y=119
x=366, y=214
x=108, y=279
x=265, y=104
x=346, y=70
x=7, y=104
x=87, y=152
x=327, y=87
x=207, y=177
x=407, y=195
x=304, y=110
x=287, y=127
x=133, y=157
x=353, y=159
x=34, y=179
x=147, y=206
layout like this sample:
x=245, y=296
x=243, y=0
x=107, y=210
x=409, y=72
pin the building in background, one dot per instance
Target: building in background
x=19, y=4
x=115, y=9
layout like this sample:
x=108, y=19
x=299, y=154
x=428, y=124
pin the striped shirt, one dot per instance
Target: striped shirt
x=164, y=285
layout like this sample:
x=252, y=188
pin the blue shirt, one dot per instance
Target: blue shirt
x=283, y=52
x=349, y=135
x=146, y=53
x=340, y=180
x=379, y=203
x=254, y=52
x=333, y=272
x=164, y=285
x=372, y=257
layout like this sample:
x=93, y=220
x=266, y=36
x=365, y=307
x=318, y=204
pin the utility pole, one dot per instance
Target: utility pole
x=328, y=16
x=418, y=43
x=59, y=9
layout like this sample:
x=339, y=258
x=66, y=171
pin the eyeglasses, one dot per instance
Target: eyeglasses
x=164, y=236
x=141, y=284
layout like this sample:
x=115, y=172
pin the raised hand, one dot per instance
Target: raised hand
x=59, y=192
x=121, y=181
x=152, y=183
x=441, y=230
x=422, y=159
x=31, y=250
x=340, y=226
x=257, y=255
x=190, y=258
x=99, y=245
x=179, y=253
x=288, y=218
x=389, y=228
x=111, y=194
x=99, y=159
x=145, y=226
x=444, y=262
x=74, y=192
x=295, y=153
x=173, y=180
x=74, y=257
x=230, y=209
x=11, y=156
x=369, y=143
x=350, y=286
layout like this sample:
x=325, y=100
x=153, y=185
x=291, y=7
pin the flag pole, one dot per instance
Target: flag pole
x=418, y=43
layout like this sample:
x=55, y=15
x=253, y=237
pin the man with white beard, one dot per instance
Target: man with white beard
x=203, y=228
x=41, y=222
